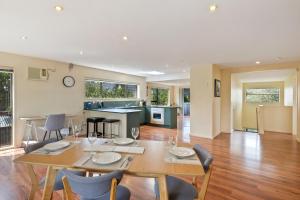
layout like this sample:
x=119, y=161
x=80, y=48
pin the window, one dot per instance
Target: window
x=265, y=95
x=160, y=96
x=104, y=89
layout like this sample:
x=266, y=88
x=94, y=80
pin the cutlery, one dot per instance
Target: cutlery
x=86, y=160
x=129, y=159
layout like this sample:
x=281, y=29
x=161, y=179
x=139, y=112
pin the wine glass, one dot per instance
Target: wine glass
x=77, y=131
x=135, y=133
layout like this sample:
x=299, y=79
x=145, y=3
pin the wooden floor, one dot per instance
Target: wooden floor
x=246, y=166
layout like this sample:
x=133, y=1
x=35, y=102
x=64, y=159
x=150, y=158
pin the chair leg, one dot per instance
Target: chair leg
x=45, y=135
x=60, y=134
x=103, y=129
x=87, y=129
x=49, y=134
x=56, y=135
x=202, y=193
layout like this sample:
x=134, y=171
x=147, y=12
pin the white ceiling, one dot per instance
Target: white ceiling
x=168, y=36
x=176, y=82
x=265, y=76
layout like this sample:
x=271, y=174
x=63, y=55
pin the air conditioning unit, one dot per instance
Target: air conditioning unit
x=37, y=73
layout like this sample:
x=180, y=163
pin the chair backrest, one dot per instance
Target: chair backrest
x=92, y=187
x=55, y=122
x=204, y=156
x=32, y=147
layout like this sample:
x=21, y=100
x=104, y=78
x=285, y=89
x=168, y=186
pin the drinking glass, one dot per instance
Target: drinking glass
x=92, y=137
x=135, y=133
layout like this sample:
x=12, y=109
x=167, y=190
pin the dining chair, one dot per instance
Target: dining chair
x=55, y=123
x=179, y=189
x=58, y=185
x=104, y=187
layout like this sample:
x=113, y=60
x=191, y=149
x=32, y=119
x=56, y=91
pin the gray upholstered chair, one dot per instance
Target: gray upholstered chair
x=58, y=185
x=178, y=189
x=96, y=188
x=54, y=123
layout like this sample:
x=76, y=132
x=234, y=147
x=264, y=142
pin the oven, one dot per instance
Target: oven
x=157, y=116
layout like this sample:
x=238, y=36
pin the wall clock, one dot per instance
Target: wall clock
x=69, y=81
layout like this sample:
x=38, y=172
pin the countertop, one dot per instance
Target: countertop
x=116, y=110
x=158, y=106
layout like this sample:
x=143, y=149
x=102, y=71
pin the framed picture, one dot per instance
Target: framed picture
x=217, y=88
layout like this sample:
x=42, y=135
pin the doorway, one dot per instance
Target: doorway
x=186, y=101
x=6, y=108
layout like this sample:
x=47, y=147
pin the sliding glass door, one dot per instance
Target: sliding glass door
x=6, y=81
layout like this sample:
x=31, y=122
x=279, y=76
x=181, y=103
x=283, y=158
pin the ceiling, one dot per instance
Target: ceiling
x=265, y=76
x=168, y=36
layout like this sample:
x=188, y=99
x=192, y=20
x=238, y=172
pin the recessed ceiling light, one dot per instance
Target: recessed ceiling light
x=213, y=7
x=125, y=38
x=257, y=62
x=58, y=8
x=24, y=37
x=184, y=70
x=81, y=52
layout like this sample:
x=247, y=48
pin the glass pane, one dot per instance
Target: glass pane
x=162, y=98
x=186, y=95
x=101, y=89
x=5, y=109
x=265, y=95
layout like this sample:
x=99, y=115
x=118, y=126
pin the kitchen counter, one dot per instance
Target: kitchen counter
x=117, y=110
x=129, y=118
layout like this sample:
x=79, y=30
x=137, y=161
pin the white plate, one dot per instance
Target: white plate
x=106, y=158
x=182, y=152
x=56, y=145
x=123, y=141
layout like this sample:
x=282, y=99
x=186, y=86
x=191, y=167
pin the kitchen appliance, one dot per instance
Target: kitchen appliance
x=157, y=116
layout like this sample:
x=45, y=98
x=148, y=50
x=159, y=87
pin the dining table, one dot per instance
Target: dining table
x=153, y=161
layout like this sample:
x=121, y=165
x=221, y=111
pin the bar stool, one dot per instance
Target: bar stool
x=111, y=122
x=95, y=121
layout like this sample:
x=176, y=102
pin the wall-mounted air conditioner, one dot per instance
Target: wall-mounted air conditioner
x=37, y=73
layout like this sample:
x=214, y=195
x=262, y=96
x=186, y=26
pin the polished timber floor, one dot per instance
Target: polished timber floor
x=246, y=166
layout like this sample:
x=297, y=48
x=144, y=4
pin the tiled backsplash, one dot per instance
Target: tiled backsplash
x=88, y=105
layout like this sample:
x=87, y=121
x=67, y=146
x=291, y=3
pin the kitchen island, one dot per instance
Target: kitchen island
x=129, y=118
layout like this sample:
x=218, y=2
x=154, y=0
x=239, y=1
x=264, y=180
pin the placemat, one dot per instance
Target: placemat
x=121, y=149
x=193, y=160
x=86, y=162
x=42, y=151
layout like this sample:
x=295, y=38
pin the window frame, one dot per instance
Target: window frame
x=112, y=82
x=157, y=95
x=261, y=102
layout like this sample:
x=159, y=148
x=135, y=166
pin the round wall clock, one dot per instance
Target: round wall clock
x=69, y=81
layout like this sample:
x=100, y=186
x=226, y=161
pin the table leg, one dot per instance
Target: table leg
x=163, y=190
x=34, y=181
x=49, y=183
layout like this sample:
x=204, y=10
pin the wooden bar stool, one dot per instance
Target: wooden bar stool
x=111, y=122
x=94, y=121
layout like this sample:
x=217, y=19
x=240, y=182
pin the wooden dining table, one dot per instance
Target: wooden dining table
x=151, y=163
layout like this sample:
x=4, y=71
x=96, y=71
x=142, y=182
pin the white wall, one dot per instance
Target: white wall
x=290, y=98
x=278, y=119
x=236, y=102
x=201, y=88
x=34, y=98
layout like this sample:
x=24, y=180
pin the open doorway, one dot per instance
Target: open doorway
x=6, y=108
x=264, y=101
